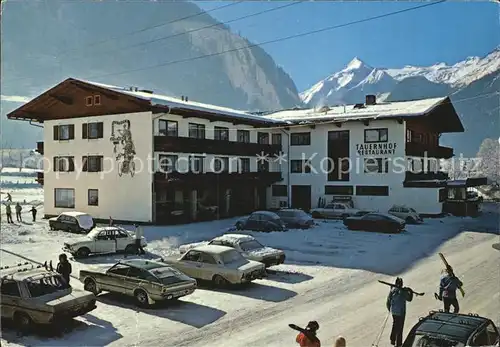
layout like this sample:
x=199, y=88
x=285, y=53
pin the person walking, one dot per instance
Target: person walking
x=33, y=213
x=18, y=212
x=138, y=237
x=9, y=197
x=64, y=267
x=340, y=342
x=448, y=286
x=8, y=212
x=396, y=305
x=309, y=338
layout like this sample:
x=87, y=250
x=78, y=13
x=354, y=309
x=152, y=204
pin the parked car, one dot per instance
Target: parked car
x=295, y=219
x=148, y=281
x=261, y=221
x=453, y=330
x=408, y=214
x=34, y=295
x=74, y=222
x=248, y=247
x=335, y=210
x=376, y=222
x=103, y=240
x=218, y=264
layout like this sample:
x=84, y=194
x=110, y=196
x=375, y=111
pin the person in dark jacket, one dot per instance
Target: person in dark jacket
x=9, y=197
x=18, y=212
x=448, y=286
x=8, y=211
x=33, y=213
x=64, y=267
x=310, y=339
x=396, y=304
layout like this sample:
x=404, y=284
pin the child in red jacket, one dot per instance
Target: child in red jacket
x=309, y=339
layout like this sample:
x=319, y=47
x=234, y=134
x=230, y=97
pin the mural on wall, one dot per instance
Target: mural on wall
x=124, y=148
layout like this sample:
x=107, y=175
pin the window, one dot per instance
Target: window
x=196, y=131
x=64, y=197
x=442, y=194
x=276, y=139
x=376, y=135
x=167, y=163
x=262, y=166
x=409, y=135
x=92, y=163
x=89, y=101
x=64, y=132
x=93, y=197
x=376, y=165
x=168, y=128
x=279, y=190
x=221, y=164
x=339, y=190
x=243, y=136
x=119, y=269
x=207, y=258
x=196, y=164
x=245, y=165
x=221, y=133
x=97, y=100
x=300, y=166
x=92, y=130
x=64, y=164
x=10, y=287
x=263, y=138
x=300, y=139
x=372, y=190
x=192, y=256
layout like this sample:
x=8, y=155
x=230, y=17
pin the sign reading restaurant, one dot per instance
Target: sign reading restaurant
x=376, y=148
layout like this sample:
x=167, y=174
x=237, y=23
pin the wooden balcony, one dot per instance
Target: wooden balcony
x=416, y=149
x=426, y=176
x=39, y=147
x=39, y=177
x=221, y=147
x=211, y=178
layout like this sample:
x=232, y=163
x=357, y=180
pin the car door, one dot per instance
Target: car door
x=190, y=264
x=339, y=210
x=209, y=266
x=253, y=222
x=122, y=239
x=105, y=242
x=11, y=297
x=63, y=223
x=115, y=279
x=329, y=211
x=136, y=278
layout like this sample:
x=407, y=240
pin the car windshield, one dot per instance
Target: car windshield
x=231, y=256
x=40, y=286
x=168, y=275
x=251, y=245
x=85, y=220
x=434, y=341
x=412, y=210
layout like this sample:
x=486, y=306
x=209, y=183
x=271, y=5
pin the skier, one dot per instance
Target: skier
x=340, y=342
x=64, y=267
x=8, y=212
x=396, y=304
x=309, y=339
x=138, y=235
x=9, y=197
x=33, y=212
x=18, y=212
x=448, y=286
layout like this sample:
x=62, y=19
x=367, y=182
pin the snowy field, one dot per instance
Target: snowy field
x=330, y=276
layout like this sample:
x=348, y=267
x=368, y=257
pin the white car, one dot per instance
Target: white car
x=103, y=240
x=335, y=210
x=406, y=213
x=248, y=247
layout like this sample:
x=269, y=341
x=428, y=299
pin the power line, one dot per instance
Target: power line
x=149, y=28
x=202, y=28
x=307, y=33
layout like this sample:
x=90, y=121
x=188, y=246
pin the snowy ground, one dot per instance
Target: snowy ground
x=330, y=276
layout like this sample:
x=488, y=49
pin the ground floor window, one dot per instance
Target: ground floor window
x=93, y=197
x=372, y=190
x=442, y=194
x=64, y=197
x=339, y=190
x=279, y=190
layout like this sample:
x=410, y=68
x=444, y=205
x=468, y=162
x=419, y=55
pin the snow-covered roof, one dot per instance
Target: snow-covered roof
x=212, y=249
x=346, y=113
x=75, y=214
x=267, y=213
x=234, y=238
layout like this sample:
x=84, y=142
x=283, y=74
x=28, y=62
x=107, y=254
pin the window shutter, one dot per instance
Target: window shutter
x=71, y=163
x=85, y=127
x=71, y=131
x=100, y=130
x=55, y=164
x=56, y=132
x=101, y=159
x=85, y=163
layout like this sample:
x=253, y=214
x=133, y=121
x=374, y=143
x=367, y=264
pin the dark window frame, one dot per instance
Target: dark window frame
x=56, y=205
x=88, y=127
x=219, y=132
x=97, y=100
x=197, y=159
x=163, y=167
x=276, y=139
x=219, y=162
x=372, y=190
x=59, y=162
x=57, y=132
x=244, y=165
x=305, y=166
x=262, y=138
x=166, y=131
x=243, y=136
x=88, y=160
x=279, y=190
x=339, y=190
x=300, y=139
x=379, y=135
x=89, y=197
x=197, y=129
x=382, y=165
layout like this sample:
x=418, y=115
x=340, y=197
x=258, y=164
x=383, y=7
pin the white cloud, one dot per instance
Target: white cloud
x=14, y=98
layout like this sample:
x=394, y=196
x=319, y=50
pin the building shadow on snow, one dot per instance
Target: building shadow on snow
x=180, y=311
x=259, y=291
x=76, y=332
x=287, y=276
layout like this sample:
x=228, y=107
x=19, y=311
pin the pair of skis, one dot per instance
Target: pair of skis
x=394, y=286
x=450, y=271
x=313, y=338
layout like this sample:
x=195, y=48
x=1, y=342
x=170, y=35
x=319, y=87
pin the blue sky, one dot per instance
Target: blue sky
x=446, y=32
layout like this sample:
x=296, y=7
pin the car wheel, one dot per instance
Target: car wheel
x=91, y=286
x=316, y=215
x=130, y=249
x=344, y=216
x=220, y=281
x=141, y=298
x=410, y=220
x=22, y=321
x=239, y=226
x=83, y=252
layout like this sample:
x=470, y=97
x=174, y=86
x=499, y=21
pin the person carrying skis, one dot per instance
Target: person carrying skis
x=309, y=338
x=33, y=213
x=448, y=286
x=138, y=236
x=64, y=267
x=8, y=212
x=18, y=212
x=396, y=304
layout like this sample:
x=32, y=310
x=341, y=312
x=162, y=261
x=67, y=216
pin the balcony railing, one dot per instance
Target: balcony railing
x=39, y=147
x=209, y=178
x=416, y=149
x=39, y=177
x=426, y=176
x=193, y=145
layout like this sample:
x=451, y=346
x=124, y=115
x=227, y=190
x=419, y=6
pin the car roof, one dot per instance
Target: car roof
x=144, y=263
x=21, y=273
x=390, y=216
x=212, y=249
x=267, y=213
x=234, y=238
x=74, y=213
x=110, y=228
x=458, y=327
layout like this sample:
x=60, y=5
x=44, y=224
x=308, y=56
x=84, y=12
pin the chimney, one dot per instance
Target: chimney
x=371, y=100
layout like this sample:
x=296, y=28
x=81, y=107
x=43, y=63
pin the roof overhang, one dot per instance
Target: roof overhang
x=444, y=118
